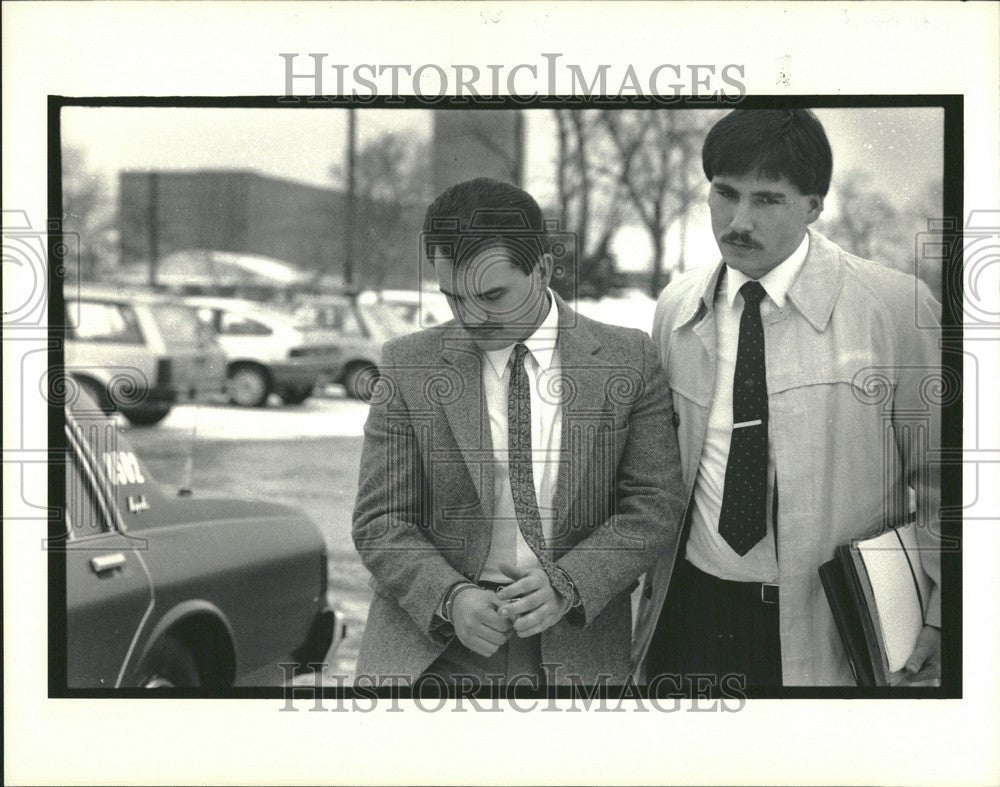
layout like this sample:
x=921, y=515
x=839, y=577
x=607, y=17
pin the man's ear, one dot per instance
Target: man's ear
x=545, y=266
x=815, y=208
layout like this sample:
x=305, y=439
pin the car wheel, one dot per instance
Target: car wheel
x=146, y=415
x=295, y=395
x=249, y=386
x=169, y=664
x=359, y=381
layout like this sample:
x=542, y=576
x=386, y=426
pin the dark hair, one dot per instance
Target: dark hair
x=776, y=143
x=484, y=210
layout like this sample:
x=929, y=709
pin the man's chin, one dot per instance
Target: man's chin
x=745, y=260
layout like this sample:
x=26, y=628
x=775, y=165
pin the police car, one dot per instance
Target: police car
x=167, y=591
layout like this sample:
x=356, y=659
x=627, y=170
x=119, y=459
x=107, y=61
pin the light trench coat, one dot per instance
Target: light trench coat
x=854, y=391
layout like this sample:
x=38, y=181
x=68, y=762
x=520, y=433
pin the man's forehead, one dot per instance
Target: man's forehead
x=475, y=274
x=487, y=254
x=757, y=181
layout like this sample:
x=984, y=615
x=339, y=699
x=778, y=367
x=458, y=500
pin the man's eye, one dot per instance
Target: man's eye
x=490, y=297
x=769, y=201
x=725, y=194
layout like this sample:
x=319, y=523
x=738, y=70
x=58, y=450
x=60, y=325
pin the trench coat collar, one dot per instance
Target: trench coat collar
x=814, y=292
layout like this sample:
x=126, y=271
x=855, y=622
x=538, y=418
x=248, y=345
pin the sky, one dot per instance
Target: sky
x=899, y=148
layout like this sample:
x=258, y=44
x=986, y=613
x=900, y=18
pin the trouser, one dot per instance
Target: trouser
x=712, y=630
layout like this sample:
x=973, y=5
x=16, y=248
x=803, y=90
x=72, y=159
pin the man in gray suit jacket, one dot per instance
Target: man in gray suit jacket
x=520, y=470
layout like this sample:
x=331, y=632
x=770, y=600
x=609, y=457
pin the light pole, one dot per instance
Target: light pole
x=349, y=198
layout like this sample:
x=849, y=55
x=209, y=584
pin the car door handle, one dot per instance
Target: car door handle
x=103, y=563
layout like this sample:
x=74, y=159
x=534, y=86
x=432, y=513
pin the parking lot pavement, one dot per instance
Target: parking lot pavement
x=305, y=456
x=327, y=414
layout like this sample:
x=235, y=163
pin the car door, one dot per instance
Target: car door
x=243, y=336
x=108, y=589
x=105, y=340
x=197, y=362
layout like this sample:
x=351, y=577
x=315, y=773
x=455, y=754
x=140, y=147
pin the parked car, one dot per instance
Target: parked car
x=417, y=308
x=360, y=330
x=269, y=351
x=139, y=352
x=167, y=591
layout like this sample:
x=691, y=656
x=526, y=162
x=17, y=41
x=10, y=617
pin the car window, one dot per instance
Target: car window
x=107, y=322
x=209, y=318
x=339, y=317
x=307, y=316
x=178, y=324
x=350, y=325
x=385, y=322
x=406, y=311
x=231, y=324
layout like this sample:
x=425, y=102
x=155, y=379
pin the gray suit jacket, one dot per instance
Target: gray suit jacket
x=423, y=516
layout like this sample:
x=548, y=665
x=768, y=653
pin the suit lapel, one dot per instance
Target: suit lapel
x=584, y=394
x=468, y=417
x=584, y=397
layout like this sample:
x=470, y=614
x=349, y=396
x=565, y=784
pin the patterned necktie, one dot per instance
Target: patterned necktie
x=522, y=479
x=743, y=518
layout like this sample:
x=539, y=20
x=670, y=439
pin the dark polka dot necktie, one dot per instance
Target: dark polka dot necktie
x=743, y=518
x=522, y=478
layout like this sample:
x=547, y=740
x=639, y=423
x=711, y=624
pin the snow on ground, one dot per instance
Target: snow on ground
x=319, y=416
x=633, y=310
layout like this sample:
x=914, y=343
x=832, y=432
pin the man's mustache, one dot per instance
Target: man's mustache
x=741, y=238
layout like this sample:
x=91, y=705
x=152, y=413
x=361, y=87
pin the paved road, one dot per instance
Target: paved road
x=306, y=456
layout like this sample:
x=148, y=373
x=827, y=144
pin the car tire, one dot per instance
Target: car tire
x=249, y=385
x=169, y=664
x=295, y=395
x=359, y=380
x=146, y=415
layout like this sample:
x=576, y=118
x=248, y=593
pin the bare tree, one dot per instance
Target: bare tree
x=88, y=211
x=392, y=186
x=878, y=226
x=862, y=215
x=656, y=160
x=588, y=202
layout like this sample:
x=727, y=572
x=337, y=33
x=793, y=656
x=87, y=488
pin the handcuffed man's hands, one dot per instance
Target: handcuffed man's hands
x=478, y=625
x=530, y=601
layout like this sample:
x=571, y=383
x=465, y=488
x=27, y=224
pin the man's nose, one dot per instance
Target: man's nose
x=472, y=314
x=742, y=220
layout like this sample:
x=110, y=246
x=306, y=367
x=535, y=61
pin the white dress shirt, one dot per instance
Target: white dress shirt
x=706, y=549
x=541, y=364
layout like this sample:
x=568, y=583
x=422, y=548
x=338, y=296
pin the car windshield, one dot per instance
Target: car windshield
x=101, y=321
x=178, y=324
x=330, y=315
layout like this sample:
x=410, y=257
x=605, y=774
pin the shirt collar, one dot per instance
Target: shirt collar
x=541, y=344
x=776, y=282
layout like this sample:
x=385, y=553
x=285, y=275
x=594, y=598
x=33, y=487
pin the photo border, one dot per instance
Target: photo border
x=951, y=360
